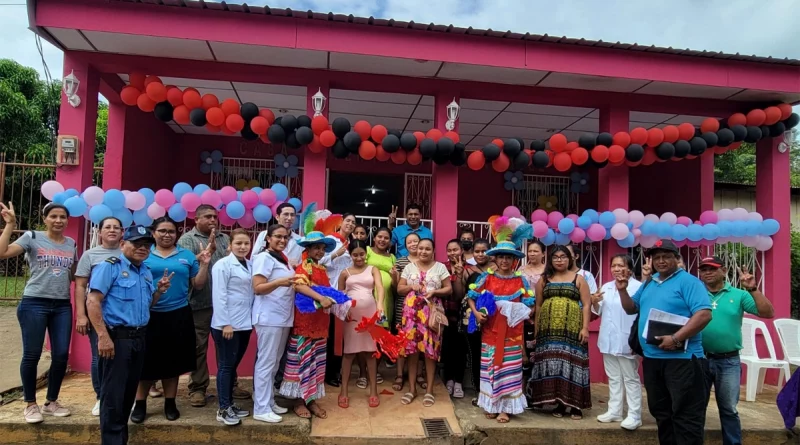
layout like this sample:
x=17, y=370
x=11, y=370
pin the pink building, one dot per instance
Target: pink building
x=403, y=75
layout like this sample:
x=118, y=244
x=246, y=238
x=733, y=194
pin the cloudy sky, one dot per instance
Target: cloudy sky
x=744, y=26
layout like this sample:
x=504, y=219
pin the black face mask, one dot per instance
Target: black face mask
x=467, y=245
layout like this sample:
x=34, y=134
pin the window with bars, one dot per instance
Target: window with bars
x=243, y=173
x=549, y=193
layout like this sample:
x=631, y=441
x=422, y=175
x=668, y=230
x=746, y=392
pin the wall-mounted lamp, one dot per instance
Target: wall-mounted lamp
x=318, y=102
x=70, y=86
x=788, y=137
x=452, y=115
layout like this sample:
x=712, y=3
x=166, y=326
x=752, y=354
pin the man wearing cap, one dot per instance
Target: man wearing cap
x=722, y=338
x=121, y=292
x=675, y=370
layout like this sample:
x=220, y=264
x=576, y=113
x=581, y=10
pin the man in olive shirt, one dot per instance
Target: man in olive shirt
x=722, y=337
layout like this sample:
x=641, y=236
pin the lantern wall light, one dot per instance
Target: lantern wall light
x=318, y=102
x=452, y=115
x=70, y=86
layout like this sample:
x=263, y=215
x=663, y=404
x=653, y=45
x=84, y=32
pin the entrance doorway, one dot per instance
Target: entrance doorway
x=364, y=194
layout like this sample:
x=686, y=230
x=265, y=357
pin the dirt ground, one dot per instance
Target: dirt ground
x=11, y=353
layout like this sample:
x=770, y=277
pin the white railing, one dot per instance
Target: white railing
x=373, y=223
x=481, y=229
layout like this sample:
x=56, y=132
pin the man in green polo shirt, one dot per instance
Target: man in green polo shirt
x=722, y=337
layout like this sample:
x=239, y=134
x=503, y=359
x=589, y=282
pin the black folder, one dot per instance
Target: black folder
x=660, y=329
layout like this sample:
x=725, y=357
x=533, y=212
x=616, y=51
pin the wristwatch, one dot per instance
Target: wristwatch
x=751, y=289
x=677, y=342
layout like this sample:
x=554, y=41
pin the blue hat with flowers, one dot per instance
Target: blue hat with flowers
x=312, y=238
x=509, y=235
x=505, y=248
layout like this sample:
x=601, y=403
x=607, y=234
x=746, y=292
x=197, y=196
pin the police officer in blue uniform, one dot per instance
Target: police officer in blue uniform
x=121, y=292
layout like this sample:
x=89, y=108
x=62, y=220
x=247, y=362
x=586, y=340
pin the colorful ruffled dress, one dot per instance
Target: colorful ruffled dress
x=416, y=311
x=501, y=340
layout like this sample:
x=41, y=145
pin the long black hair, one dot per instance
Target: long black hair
x=277, y=255
x=549, y=270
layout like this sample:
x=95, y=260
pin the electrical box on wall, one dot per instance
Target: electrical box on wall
x=67, y=150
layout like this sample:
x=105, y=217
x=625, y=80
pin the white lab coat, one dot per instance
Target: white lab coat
x=275, y=309
x=232, y=294
x=293, y=251
x=615, y=323
x=335, y=266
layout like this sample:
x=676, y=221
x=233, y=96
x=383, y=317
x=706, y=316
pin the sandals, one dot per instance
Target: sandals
x=317, y=411
x=302, y=411
x=361, y=383
x=576, y=414
x=491, y=416
x=428, y=400
x=560, y=411
x=408, y=398
x=374, y=402
x=422, y=382
x=398, y=384
x=344, y=402
x=378, y=378
x=503, y=418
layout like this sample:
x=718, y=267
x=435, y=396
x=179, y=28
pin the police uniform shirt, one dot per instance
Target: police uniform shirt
x=127, y=289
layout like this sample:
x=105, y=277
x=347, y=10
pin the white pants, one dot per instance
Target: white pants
x=623, y=370
x=271, y=344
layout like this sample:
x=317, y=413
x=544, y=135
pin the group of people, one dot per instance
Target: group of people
x=149, y=299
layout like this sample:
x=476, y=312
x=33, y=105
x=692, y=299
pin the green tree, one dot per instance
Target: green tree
x=101, y=134
x=739, y=166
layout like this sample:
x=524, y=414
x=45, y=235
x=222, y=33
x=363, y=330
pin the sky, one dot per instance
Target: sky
x=743, y=26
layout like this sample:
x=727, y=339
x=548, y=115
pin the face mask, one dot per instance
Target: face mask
x=467, y=245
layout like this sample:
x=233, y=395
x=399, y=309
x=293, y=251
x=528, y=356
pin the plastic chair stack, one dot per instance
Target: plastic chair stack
x=757, y=366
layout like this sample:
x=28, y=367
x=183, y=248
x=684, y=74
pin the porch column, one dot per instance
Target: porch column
x=315, y=181
x=115, y=141
x=612, y=184
x=444, y=182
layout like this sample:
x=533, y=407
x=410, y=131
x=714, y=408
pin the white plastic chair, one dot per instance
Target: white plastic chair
x=756, y=366
x=789, y=335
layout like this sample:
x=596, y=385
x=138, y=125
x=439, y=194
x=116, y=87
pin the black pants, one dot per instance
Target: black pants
x=454, y=353
x=677, y=396
x=229, y=355
x=333, y=362
x=474, y=344
x=118, y=387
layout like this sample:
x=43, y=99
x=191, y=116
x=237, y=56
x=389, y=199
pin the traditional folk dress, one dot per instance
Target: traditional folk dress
x=501, y=340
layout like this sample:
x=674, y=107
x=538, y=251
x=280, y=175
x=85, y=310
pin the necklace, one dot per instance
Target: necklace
x=717, y=296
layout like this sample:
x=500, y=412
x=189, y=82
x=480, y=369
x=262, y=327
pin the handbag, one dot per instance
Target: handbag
x=436, y=318
x=633, y=337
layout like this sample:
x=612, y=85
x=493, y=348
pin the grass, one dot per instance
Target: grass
x=11, y=288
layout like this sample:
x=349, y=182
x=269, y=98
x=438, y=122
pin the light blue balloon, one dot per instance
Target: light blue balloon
x=235, y=209
x=281, y=192
x=239, y=195
x=593, y=216
x=663, y=229
x=142, y=218
x=607, y=219
x=549, y=238
x=60, y=197
x=200, y=188
x=738, y=229
x=149, y=195
x=648, y=228
x=566, y=226
x=562, y=239
x=262, y=214
x=770, y=227
x=124, y=216
x=608, y=235
x=752, y=228
x=114, y=199
x=98, y=212
x=584, y=222
x=679, y=232
x=258, y=190
x=725, y=228
x=177, y=212
x=296, y=204
x=627, y=242
x=76, y=206
x=181, y=189
x=695, y=232
x=71, y=192
x=711, y=231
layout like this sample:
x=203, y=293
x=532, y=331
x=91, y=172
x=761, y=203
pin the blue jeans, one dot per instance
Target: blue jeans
x=726, y=376
x=37, y=315
x=229, y=355
x=95, y=369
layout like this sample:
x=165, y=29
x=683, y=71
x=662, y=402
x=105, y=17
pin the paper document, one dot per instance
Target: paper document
x=666, y=317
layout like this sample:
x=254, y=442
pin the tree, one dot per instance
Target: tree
x=101, y=134
x=739, y=166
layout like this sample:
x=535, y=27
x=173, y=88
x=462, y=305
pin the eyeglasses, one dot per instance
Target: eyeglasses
x=279, y=237
x=142, y=244
x=166, y=232
x=560, y=258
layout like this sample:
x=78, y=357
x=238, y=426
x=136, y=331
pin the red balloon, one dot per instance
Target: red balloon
x=181, y=115
x=156, y=91
x=616, y=154
x=363, y=128
x=654, y=137
x=129, y=95
x=476, y=160
x=435, y=134
x=737, y=119
x=649, y=156
x=259, y=125
x=318, y=124
x=453, y=136
x=685, y=131
x=378, y=132
x=315, y=146
x=671, y=133
x=786, y=111
x=639, y=136
x=145, y=103
x=136, y=80
x=709, y=124
x=773, y=115
x=502, y=163
x=230, y=106
x=226, y=130
x=327, y=138
x=382, y=155
x=215, y=116
x=234, y=122
x=735, y=145
x=552, y=155
x=562, y=162
x=622, y=139
x=420, y=137
x=572, y=146
x=399, y=156
x=192, y=99
x=213, y=128
x=267, y=114
x=756, y=117
x=150, y=79
x=599, y=153
x=368, y=151
x=414, y=157
x=210, y=101
x=175, y=96
x=579, y=156
x=498, y=142
x=720, y=150
x=558, y=143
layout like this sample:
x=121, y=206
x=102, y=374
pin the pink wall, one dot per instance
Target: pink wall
x=481, y=194
x=149, y=153
x=669, y=186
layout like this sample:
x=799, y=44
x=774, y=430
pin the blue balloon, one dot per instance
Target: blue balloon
x=296, y=203
x=76, y=206
x=679, y=232
x=235, y=209
x=262, y=214
x=608, y=235
x=566, y=226
x=71, y=192
x=711, y=232
x=258, y=190
x=200, y=188
x=149, y=195
x=630, y=226
x=725, y=228
x=181, y=189
x=695, y=232
x=60, y=197
x=114, y=199
x=752, y=228
x=281, y=192
x=593, y=216
x=98, y=212
x=124, y=216
x=584, y=222
x=627, y=242
x=770, y=227
x=663, y=229
x=142, y=218
x=177, y=212
x=549, y=238
x=607, y=219
x=648, y=228
x=562, y=239
x=738, y=229
x=239, y=195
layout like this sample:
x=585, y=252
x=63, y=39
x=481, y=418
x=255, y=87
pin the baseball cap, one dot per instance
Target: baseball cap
x=712, y=261
x=137, y=232
x=664, y=245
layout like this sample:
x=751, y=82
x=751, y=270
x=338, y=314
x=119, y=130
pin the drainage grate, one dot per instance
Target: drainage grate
x=436, y=427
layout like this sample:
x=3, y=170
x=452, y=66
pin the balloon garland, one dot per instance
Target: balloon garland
x=248, y=207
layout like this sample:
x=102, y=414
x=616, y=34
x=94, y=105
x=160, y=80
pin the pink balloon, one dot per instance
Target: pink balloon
x=165, y=198
x=669, y=217
x=228, y=194
x=755, y=216
x=212, y=198
x=247, y=220
x=51, y=189
x=619, y=231
x=596, y=232
x=636, y=233
x=539, y=215
x=92, y=195
x=156, y=211
x=680, y=243
x=539, y=229
x=573, y=217
x=135, y=201
x=511, y=212
x=267, y=197
x=249, y=199
x=224, y=219
x=725, y=215
x=740, y=214
x=621, y=215
x=190, y=202
x=190, y=215
x=636, y=217
x=652, y=218
x=553, y=218
x=764, y=243
x=577, y=235
x=693, y=244
x=648, y=241
x=274, y=208
x=684, y=220
x=750, y=241
x=709, y=217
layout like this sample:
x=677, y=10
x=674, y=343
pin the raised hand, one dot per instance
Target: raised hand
x=746, y=279
x=620, y=283
x=597, y=297
x=204, y=257
x=9, y=216
x=164, y=282
x=647, y=268
x=458, y=267
x=212, y=241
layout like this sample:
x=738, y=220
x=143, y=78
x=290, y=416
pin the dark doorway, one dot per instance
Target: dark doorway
x=364, y=193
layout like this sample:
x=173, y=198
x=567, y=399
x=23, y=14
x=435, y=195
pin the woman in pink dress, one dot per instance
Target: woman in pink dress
x=361, y=283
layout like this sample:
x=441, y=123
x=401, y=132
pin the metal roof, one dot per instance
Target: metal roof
x=451, y=29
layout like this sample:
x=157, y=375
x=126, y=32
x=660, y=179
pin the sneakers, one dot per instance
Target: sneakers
x=240, y=394
x=630, y=423
x=449, y=386
x=96, y=409
x=268, y=417
x=228, y=416
x=33, y=414
x=240, y=413
x=608, y=417
x=197, y=399
x=458, y=391
x=279, y=409
x=55, y=409
x=155, y=392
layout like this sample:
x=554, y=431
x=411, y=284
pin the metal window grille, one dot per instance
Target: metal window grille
x=557, y=188
x=418, y=189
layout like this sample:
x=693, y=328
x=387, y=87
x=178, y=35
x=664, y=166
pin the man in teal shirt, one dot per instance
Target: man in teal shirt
x=413, y=225
x=722, y=337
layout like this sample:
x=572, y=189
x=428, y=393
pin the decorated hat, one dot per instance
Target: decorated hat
x=505, y=248
x=312, y=238
x=509, y=233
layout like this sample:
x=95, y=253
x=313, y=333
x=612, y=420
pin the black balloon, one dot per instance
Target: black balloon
x=340, y=127
x=303, y=121
x=445, y=146
x=537, y=145
x=427, y=148
x=605, y=139
x=697, y=146
x=248, y=133
x=460, y=148
x=339, y=150
x=491, y=152
x=777, y=129
x=408, y=142
x=391, y=143
x=275, y=134
x=682, y=148
x=634, y=153
x=791, y=121
x=511, y=147
x=725, y=136
x=304, y=135
x=764, y=131
x=291, y=140
x=753, y=134
x=352, y=141
x=278, y=120
x=599, y=164
x=739, y=133
x=249, y=110
x=540, y=159
x=198, y=117
x=723, y=123
x=441, y=159
x=587, y=141
x=163, y=111
x=289, y=123
x=710, y=138
x=458, y=158
x=395, y=132
x=665, y=151
x=521, y=161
